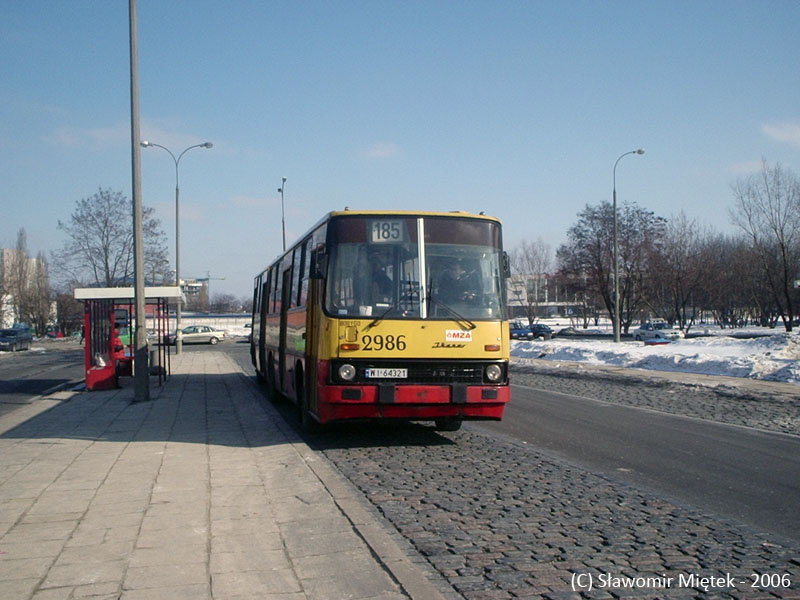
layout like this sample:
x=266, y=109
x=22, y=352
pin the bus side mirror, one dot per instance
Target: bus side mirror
x=506, y=265
x=319, y=263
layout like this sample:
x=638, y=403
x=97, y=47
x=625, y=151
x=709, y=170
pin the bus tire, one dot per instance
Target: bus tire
x=451, y=424
x=307, y=422
x=262, y=361
x=272, y=389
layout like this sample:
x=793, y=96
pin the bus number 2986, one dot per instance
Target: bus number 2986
x=376, y=343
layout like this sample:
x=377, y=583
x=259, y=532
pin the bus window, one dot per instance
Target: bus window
x=304, y=273
x=276, y=292
x=256, y=295
x=296, y=260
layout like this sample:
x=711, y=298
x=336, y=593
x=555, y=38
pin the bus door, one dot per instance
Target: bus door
x=286, y=296
x=260, y=336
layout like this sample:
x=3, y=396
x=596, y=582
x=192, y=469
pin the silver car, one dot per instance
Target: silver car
x=199, y=334
x=657, y=330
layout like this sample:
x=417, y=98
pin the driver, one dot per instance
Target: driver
x=456, y=285
x=381, y=283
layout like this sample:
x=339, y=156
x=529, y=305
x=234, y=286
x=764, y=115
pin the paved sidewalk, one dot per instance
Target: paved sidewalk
x=203, y=492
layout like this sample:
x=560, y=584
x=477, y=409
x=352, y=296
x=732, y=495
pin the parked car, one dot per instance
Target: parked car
x=541, y=331
x=198, y=334
x=656, y=330
x=15, y=338
x=519, y=331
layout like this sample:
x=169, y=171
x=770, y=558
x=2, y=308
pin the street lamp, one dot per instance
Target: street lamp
x=616, y=249
x=283, y=220
x=146, y=144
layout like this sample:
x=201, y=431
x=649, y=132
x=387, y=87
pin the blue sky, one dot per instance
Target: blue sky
x=519, y=109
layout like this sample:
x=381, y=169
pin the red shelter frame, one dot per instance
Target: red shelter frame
x=106, y=311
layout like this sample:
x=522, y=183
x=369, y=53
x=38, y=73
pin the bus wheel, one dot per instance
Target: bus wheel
x=448, y=424
x=272, y=390
x=307, y=422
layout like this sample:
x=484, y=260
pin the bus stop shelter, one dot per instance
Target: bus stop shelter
x=109, y=315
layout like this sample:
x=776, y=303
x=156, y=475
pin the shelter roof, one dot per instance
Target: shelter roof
x=125, y=294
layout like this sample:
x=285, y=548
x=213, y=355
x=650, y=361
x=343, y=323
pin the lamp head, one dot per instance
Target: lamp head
x=210, y=145
x=144, y=143
x=640, y=151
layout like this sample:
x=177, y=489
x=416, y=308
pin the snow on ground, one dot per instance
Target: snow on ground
x=773, y=357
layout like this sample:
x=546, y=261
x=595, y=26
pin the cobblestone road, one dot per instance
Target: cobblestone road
x=498, y=520
x=723, y=403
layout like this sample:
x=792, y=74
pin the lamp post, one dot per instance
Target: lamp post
x=283, y=220
x=146, y=144
x=616, y=249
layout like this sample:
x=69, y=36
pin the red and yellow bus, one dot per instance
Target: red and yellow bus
x=387, y=315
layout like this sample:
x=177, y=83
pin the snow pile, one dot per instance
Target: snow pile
x=774, y=357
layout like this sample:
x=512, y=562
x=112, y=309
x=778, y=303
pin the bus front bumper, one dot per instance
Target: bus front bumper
x=412, y=402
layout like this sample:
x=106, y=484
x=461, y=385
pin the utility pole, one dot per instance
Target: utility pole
x=141, y=372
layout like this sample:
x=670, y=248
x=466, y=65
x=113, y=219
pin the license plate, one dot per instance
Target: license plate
x=387, y=373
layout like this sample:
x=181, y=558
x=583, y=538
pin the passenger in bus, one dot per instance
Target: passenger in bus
x=457, y=285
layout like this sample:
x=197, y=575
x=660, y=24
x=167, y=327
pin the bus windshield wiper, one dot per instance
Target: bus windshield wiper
x=379, y=318
x=458, y=318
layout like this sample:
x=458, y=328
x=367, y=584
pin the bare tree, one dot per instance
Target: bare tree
x=38, y=297
x=531, y=262
x=18, y=276
x=70, y=313
x=156, y=257
x=728, y=280
x=767, y=209
x=99, y=245
x=589, y=254
x=224, y=303
x=246, y=303
x=676, y=274
x=27, y=284
x=585, y=261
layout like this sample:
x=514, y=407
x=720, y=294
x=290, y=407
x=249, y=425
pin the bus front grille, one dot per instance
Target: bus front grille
x=420, y=372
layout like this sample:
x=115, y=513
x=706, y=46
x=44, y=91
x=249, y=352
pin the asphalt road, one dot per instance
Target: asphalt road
x=24, y=376
x=731, y=471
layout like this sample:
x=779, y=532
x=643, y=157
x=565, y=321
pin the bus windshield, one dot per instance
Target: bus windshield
x=376, y=264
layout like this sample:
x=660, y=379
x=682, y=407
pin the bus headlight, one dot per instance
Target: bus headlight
x=493, y=373
x=347, y=372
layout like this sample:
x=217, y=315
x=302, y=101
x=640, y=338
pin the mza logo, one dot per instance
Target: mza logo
x=456, y=335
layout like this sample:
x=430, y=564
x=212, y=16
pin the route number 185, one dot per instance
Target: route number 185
x=386, y=231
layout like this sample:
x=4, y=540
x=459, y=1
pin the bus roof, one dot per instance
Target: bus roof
x=410, y=213
x=404, y=213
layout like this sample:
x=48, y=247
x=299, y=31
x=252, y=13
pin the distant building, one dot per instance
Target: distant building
x=536, y=297
x=9, y=269
x=196, y=293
